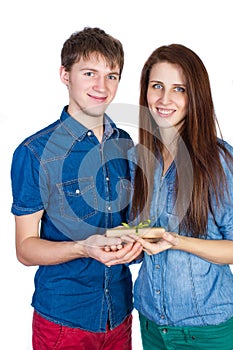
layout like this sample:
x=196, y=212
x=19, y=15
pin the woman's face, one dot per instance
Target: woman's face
x=166, y=95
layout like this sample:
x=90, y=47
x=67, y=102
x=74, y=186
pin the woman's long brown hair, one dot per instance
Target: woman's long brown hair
x=198, y=134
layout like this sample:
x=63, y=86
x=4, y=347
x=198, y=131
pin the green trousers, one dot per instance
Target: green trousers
x=155, y=337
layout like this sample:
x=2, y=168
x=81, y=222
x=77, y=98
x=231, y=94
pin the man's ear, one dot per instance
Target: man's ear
x=64, y=76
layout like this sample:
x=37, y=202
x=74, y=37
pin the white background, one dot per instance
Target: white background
x=32, y=96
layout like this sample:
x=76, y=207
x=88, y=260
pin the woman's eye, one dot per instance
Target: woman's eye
x=180, y=89
x=157, y=86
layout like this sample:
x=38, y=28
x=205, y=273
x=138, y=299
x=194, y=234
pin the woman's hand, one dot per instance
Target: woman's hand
x=166, y=242
x=151, y=247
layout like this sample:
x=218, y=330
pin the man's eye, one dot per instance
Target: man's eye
x=112, y=77
x=89, y=74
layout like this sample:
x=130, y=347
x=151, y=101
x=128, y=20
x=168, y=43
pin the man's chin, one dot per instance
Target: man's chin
x=95, y=112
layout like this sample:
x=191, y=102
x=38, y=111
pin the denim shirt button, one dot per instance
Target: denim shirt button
x=162, y=316
x=107, y=178
x=158, y=291
x=106, y=290
x=157, y=266
x=109, y=208
x=89, y=133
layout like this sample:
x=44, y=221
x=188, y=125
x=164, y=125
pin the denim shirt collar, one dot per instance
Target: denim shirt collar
x=79, y=131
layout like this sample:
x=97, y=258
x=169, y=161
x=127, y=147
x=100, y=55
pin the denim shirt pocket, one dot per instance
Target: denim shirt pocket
x=78, y=198
x=124, y=192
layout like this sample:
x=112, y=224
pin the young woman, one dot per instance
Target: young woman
x=184, y=290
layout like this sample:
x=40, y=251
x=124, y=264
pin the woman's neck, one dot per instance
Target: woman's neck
x=169, y=139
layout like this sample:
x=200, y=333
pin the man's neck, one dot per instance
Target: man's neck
x=94, y=123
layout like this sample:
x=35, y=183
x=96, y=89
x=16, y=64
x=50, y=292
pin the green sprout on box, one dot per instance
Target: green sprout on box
x=142, y=224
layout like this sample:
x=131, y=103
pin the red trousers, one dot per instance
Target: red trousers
x=51, y=336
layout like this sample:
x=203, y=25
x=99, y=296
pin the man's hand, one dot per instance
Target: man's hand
x=110, y=250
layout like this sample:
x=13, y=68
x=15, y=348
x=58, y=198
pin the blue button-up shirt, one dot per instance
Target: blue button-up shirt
x=177, y=288
x=83, y=186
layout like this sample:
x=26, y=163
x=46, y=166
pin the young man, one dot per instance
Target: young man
x=70, y=182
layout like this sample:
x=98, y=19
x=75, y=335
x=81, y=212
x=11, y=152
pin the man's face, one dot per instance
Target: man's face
x=92, y=85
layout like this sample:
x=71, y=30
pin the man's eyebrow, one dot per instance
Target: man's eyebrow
x=114, y=73
x=87, y=68
x=96, y=70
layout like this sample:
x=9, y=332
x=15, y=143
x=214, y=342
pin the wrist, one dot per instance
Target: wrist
x=179, y=242
x=80, y=250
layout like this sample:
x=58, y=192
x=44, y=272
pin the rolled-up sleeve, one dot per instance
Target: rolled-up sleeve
x=224, y=212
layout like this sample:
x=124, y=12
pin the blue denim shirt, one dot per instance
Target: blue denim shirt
x=83, y=187
x=181, y=289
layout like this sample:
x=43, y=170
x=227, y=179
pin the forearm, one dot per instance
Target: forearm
x=215, y=251
x=36, y=251
x=32, y=250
